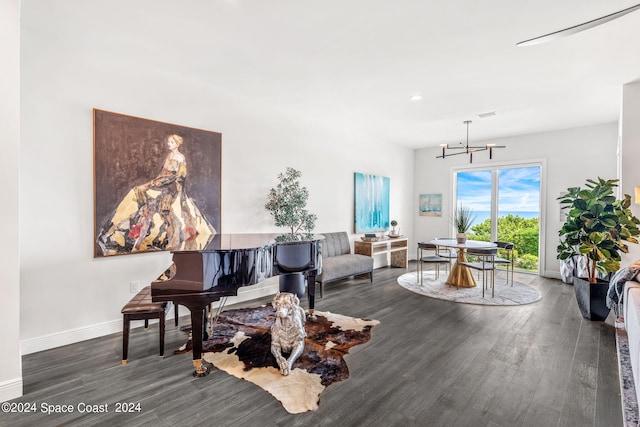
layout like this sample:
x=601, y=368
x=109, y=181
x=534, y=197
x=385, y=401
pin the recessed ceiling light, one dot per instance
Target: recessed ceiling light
x=416, y=97
x=489, y=114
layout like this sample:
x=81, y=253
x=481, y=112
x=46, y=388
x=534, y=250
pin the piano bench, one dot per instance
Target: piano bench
x=140, y=307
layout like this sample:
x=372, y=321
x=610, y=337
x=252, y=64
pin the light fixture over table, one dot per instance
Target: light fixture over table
x=468, y=149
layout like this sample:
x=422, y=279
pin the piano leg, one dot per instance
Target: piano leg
x=311, y=292
x=197, y=330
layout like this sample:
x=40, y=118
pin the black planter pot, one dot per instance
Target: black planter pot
x=291, y=259
x=292, y=283
x=591, y=298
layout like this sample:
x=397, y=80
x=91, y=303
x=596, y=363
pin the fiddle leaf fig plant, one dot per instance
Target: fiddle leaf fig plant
x=597, y=226
x=287, y=203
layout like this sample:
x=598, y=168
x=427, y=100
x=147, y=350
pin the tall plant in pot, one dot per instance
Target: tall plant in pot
x=462, y=219
x=287, y=204
x=597, y=227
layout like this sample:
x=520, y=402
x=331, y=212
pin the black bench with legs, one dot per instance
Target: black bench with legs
x=140, y=307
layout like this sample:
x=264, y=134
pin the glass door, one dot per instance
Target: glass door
x=474, y=192
x=506, y=202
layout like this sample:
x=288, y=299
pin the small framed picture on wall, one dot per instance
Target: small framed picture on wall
x=430, y=205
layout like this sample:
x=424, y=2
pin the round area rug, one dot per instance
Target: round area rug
x=505, y=294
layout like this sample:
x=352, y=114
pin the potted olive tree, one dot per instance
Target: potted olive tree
x=462, y=219
x=597, y=227
x=287, y=204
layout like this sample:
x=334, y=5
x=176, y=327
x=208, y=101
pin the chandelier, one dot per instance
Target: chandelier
x=466, y=148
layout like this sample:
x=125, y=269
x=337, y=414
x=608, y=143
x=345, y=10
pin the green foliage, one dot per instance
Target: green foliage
x=597, y=226
x=462, y=219
x=522, y=232
x=527, y=262
x=528, y=240
x=287, y=203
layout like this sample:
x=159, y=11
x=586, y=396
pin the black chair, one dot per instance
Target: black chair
x=445, y=251
x=485, y=263
x=434, y=258
x=507, y=248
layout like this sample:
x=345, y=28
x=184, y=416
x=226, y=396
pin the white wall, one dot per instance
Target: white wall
x=571, y=156
x=630, y=153
x=74, y=59
x=10, y=363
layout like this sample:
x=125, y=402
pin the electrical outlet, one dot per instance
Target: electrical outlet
x=134, y=286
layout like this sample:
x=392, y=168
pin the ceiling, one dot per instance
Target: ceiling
x=354, y=64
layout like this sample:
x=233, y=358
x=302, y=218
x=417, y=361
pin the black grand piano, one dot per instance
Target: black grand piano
x=228, y=262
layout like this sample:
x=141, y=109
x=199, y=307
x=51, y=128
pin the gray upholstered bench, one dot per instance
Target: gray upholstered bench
x=338, y=262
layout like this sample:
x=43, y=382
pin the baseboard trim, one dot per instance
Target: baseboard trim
x=10, y=389
x=71, y=336
x=552, y=274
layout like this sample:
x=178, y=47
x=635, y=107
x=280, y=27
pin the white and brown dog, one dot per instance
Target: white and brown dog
x=287, y=331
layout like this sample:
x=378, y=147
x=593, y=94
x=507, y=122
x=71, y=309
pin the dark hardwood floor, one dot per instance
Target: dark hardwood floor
x=429, y=363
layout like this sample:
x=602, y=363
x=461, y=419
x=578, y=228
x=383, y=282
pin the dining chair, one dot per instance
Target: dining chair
x=432, y=257
x=446, y=252
x=508, y=261
x=485, y=263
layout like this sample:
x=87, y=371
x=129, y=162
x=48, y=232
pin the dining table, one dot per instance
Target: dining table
x=460, y=275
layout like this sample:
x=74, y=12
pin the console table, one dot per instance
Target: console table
x=395, y=247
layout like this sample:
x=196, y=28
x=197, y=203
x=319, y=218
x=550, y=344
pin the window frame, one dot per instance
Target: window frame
x=494, y=167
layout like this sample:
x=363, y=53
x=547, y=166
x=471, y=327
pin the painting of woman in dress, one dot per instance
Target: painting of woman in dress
x=156, y=213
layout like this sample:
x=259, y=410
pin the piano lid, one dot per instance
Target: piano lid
x=240, y=241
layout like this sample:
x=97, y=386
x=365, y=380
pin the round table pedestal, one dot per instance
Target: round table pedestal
x=460, y=275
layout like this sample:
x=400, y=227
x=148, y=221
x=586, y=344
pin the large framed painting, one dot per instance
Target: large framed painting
x=371, y=195
x=156, y=185
x=430, y=205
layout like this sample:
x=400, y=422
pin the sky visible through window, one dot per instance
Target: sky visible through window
x=518, y=192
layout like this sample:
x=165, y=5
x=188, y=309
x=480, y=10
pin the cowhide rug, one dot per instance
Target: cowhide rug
x=241, y=346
